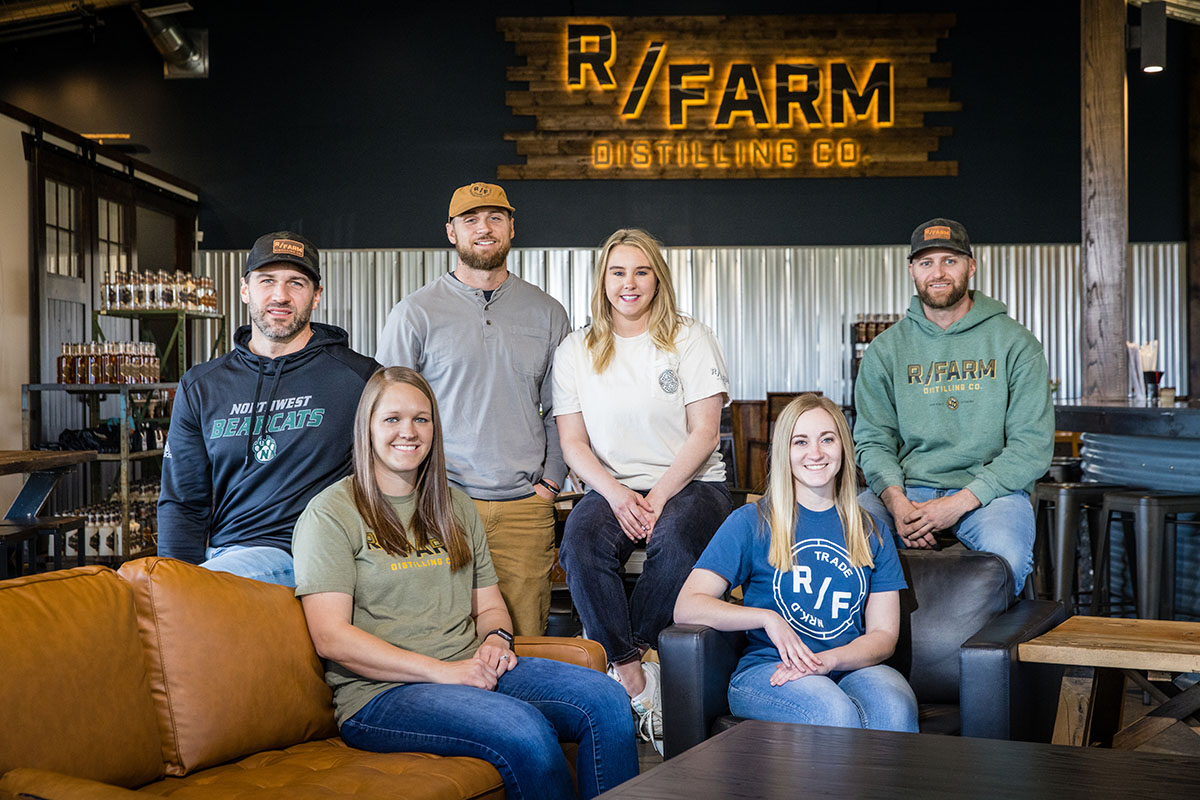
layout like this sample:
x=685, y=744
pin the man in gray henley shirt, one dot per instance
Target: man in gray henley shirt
x=485, y=341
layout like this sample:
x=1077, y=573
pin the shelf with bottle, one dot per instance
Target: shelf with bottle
x=863, y=331
x=157, y=290
x=91, y=363
x=111, y=534
x=132, y=436
x=172, y=357
x=867, y=326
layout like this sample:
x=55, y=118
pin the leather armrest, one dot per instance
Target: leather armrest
x=697, y=662
x=39, y=784
x=1002, y=698
x=583, y=652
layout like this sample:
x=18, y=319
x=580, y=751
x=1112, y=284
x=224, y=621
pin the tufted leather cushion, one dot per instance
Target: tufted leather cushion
x=37, y=784
x=317, y=770
x=951, y=594
x=230, y=662
x=328, y=769
x=74, y=695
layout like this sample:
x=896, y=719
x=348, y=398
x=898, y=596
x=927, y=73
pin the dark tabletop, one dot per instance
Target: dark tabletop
x=775, y=760
x=1126, y=418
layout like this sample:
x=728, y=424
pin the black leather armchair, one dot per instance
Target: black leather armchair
x=960, y=625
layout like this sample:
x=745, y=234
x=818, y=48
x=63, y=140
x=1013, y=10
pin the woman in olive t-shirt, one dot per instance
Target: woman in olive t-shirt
x=397, y=584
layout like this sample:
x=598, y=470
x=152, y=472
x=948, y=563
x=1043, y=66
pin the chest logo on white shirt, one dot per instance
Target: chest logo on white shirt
x=823, y=593
x=668, y=380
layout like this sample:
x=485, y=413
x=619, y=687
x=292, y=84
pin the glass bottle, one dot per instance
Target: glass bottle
x=92, y=359
x=155, y=371
x=107, y=363
x=92, y=532
x=167, y=293
x=125, y=291
x=137, y=289
x=80, y=364
x=61, y=366
x=135, y=536
x=110, y=290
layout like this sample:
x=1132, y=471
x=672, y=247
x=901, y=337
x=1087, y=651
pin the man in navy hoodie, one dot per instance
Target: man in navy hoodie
x=256, y=433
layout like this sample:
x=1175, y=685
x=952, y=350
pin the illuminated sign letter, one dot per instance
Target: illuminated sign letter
x=579, y=55
x=682, y=95
x=742, y=95
x=644, y=80
x=877, y=89
x=786, y=97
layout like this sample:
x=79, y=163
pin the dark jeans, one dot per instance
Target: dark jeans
x=517, y=728
x=594, y=548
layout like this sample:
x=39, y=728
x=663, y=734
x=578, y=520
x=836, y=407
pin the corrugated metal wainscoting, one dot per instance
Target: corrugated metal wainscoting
x=782, y=314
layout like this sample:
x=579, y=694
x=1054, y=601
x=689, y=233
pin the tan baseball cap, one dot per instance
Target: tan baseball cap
x=475, y=195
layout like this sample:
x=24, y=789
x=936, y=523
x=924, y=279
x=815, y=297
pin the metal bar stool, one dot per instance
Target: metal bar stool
x=1057, y=508
x=1155, y=520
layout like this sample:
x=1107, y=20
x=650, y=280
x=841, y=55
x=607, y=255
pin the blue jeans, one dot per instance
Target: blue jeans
x=1004, y=526
x=517, y=728
x=262, y=563
x=594, y=548
x=873, y=697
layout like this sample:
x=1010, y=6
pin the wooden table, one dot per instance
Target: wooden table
x=776, y=760
x=21, y=525
x=45, y=467
x=1117, y=649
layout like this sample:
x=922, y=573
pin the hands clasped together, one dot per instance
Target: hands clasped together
x=917, y=521
x=796, y=659
x=483, y=669
x=635, y=513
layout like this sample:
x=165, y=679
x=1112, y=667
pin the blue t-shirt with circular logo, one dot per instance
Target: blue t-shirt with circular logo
x=823, y=597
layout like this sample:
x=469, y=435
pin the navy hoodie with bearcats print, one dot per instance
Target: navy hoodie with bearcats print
x=253, y=439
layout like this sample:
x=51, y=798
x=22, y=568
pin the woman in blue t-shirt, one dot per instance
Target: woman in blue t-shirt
x=821, y=587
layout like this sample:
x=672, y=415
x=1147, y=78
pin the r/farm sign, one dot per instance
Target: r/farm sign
x=728, y=97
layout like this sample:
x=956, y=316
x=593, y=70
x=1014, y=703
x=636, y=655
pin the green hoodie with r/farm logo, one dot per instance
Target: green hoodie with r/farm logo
x=966, y=407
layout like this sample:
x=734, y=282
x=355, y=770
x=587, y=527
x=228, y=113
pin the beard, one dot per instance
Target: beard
x=484, y=262
x=956, y=293
x=280, y=330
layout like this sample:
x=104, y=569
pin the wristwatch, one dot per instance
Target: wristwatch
x=503, y=634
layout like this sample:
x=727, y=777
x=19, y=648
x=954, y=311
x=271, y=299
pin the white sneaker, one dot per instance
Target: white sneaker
x=648, y=706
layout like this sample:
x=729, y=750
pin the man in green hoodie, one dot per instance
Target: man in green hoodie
x=954, y=416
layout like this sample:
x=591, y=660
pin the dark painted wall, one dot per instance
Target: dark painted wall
x=353, y=122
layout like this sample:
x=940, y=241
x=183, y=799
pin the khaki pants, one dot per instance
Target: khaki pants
x=520, y=534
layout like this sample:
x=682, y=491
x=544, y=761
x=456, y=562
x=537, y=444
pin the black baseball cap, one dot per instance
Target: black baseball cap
x=944, y=233
x=286, y=247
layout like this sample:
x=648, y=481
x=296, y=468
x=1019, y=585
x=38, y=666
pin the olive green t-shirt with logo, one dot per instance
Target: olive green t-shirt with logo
x=414, y=602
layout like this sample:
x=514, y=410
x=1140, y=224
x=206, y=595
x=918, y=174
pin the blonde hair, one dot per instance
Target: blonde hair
x=664, y=318
x=434, y=515
x=778, y=508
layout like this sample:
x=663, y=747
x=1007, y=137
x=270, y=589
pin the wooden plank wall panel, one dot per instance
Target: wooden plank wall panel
x=581, y=132
x=1105, y=200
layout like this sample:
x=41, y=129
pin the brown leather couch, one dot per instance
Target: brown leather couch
x=167, y=679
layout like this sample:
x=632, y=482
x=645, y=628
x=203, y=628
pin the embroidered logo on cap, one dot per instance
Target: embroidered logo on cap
x=289, y=247
x=937, y=232
x=480, y=189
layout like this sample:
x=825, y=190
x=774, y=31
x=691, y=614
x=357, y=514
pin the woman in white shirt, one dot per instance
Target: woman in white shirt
x=638, y=397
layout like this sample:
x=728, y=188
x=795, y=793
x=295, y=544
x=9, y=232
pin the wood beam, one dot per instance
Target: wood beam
x=1192, y=309
x=1105, y=207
